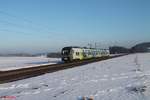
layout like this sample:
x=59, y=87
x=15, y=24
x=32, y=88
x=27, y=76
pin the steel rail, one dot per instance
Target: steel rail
x=18, y=74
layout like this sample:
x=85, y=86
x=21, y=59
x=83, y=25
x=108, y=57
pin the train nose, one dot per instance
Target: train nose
x=65, y=58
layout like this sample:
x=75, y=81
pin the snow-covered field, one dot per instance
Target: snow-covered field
x=9, y=63
x=123, y=78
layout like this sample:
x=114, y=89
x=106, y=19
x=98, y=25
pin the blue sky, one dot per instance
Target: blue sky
x=48, y=25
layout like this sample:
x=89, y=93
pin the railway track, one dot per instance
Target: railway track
x=18, y=74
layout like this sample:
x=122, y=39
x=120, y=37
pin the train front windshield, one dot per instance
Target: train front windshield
x=66, y=51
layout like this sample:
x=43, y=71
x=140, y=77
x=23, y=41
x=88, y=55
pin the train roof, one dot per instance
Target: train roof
x=70, y=47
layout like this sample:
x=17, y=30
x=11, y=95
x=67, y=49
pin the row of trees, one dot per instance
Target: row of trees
x=54, y=55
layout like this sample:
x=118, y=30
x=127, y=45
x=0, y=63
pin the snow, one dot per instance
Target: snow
x=122, y=78
x=11, y=63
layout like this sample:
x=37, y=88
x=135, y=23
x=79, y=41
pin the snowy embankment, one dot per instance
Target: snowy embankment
x=11, y=63
x=122, y=78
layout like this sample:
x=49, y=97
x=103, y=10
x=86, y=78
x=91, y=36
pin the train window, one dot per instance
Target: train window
x=77, y=53
x=65, y=52
x=89, y=53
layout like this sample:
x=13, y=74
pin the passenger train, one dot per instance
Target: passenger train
x=80, y=53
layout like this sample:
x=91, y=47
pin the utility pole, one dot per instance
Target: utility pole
x=99, y=45
x=90, y=45
x=95, y=45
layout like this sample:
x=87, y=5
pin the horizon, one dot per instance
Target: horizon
x=59, y=51
x=37, y=26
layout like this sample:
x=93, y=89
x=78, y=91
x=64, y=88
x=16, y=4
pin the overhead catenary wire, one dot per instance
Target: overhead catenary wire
x=18, y=18
x=20, y=26
x=31, y=25
x=14, y=31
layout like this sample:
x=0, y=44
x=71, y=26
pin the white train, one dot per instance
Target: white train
x=79, y=53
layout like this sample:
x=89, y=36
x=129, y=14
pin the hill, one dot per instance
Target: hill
x=142, y=47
